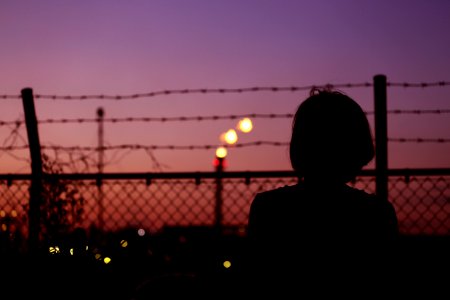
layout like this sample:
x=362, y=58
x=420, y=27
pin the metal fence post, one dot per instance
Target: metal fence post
x=218, y=207
x=34, y=212
x=381, y=139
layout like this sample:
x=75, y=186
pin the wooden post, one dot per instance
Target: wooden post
x=34, y=212
x=381, y=138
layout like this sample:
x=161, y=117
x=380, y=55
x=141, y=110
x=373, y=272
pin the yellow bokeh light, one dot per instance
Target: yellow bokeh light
x=230, y=137
x=221, y=152
x=107, y=260
x=71, y=251
x=227, y=264
x=245, y=125
x=123, y=243
x=53, y=250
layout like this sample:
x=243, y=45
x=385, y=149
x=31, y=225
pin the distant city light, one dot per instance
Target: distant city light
x=245, y=125
x=227, y=264
x=141, y=232
x=53, y=250
x=107, y=260
x=221, y=152
x=71, y=251
x=123, y=243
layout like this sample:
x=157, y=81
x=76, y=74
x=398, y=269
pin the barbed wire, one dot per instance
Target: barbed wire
x=419, y=140
x=191, y=91
x=418, y=85
x=227, y=90
x=169, y=119
x=12, y=139
x=417, y=111
x=208, y=118
x=199, y=147
x=167, y=147
x=10, y=96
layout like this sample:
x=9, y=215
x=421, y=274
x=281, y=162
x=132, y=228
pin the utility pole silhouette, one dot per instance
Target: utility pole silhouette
x=100, y=166
x=219, y=163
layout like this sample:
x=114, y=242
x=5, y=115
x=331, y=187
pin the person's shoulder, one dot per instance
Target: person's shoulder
x=282, y=191
x=276, y=195
x=372, y=201
x=271, y=205
x=363, y=195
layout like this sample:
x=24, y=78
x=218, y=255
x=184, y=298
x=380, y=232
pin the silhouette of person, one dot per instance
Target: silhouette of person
x=322, y=234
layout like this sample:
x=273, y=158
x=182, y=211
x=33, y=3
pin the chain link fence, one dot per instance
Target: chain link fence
x=422, y=203
x=124, y=231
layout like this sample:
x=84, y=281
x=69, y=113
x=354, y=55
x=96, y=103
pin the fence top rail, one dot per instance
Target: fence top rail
x=213, y=174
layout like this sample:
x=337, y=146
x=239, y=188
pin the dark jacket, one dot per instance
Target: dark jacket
x=303, y=235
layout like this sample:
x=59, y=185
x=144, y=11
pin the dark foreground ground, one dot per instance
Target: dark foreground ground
x=196, y=266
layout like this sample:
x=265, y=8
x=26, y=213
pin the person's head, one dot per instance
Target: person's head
x=331, y=137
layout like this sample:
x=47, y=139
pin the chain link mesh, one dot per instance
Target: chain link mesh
x=422, y=203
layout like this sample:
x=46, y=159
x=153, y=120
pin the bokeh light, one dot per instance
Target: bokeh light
x=230, y=137
x=227, y=264
x=141, y=232
x=221, y=152
x=53, y=250
x=245, y=125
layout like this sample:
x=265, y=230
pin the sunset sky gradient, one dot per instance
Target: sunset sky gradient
x=127, y=47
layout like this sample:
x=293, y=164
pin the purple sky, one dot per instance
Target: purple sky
x=127, y=47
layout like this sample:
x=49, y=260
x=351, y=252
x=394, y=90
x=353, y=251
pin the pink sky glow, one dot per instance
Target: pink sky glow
x=127, y=47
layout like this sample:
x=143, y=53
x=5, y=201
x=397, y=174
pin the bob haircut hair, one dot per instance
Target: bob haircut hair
x=331, y=137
